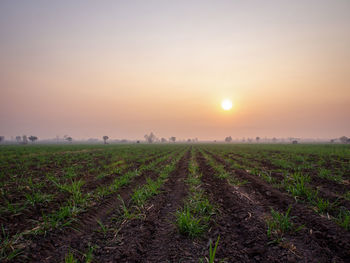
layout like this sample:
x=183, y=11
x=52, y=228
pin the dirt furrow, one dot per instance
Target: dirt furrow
x=56, y=244
x=328, y=188
x=332, y=239
x=153, y=239
x=240, y=224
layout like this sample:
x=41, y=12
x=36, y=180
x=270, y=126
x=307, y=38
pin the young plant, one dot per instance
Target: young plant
x=143, y=193
x=212, y=251
x=38, y=197
x=7, y=250
x=194, y=218
x=323, y=206
x=103, y=228
x=188, y=224
x=126, y=212
x=279, y=224
x=70, y=258
x=344, y=219
x=296, y=184
x=89, y=255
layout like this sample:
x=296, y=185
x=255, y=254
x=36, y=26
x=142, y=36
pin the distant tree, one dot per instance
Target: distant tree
x=343, y=139
x=295, y=142
x=24, y=139
x=32, y=138
x=163, y=140
x=228, y=139
x=150, y=138
x=172, y=139
x=137, y=141
x=18, y=139
x=189, y=140
x=332, y=141
x=2, y=138
x=105, y=138
x=249, y=140
x=274, y=139
x=69, y=139
x=257, y=139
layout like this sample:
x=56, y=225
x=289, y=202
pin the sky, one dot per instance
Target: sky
x=126, y=68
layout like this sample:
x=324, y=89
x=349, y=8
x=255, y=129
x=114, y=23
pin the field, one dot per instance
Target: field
x=175, y=203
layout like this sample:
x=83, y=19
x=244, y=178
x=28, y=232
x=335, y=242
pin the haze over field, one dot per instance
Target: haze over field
x=125, y=68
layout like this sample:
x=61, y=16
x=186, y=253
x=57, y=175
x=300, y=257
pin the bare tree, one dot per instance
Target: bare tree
x=172, y=139
x=24, y=139
x=32, y=138
x=343, y=139
x=2, y=138
x=150, y=138
x=18, y=139
x=228, y=139
x=105, y=138
x=257, y=139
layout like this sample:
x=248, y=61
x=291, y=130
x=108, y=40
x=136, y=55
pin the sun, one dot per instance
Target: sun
x=226, y=104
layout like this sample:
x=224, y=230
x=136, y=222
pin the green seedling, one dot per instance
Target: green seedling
x=212, y=251
x=323, y=205
x=70, y=258
x=126, y=212
x=188, y=224
x=343, y=219
x=103, y=228
x=143, y=193
x=38, y=197
x=279, y=224
x=7, y=246
x=89, y=255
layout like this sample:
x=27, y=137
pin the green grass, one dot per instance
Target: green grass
x=279, y=224
x=193, y=219
x=7, y=245
x=50, y=179
x=212, y=251
x=144, y=192
x=188, y=224
x=343, y=219
x=297, y=185
x=70, y=258
x=327, y=174
x=103, y=229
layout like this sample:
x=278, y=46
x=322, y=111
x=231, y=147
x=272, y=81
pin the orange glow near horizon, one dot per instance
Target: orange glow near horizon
x=114, y=69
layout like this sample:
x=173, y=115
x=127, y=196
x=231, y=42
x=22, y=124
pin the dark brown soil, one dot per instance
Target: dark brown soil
x=328, y=241
x=240, y=221
x=28, y=218
x=154, y=238
x=328, y=189
x=55, y=245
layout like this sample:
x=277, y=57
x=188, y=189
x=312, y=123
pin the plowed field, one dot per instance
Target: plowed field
x=173, y=203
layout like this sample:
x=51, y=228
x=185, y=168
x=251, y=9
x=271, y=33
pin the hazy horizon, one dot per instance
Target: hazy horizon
x=126, y=68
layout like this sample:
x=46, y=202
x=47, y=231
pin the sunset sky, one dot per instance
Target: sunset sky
x=125, y=68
